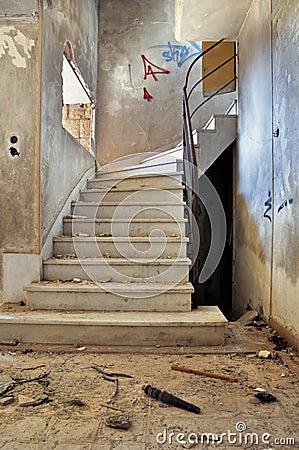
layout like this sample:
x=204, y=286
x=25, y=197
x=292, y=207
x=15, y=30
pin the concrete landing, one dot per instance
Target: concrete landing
x=204, y=326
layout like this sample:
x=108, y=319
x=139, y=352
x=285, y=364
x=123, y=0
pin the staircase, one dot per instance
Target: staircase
x=119, y=273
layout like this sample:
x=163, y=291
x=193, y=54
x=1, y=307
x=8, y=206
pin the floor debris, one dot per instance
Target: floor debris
x=6, y=400
x=121, y=421
x=205, y=374
x=170, y=399
x=264, y=354
x=265, y=397
x=248, y=317
x=64, y=424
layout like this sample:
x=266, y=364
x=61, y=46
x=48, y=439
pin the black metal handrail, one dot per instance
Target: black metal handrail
x=191, y=172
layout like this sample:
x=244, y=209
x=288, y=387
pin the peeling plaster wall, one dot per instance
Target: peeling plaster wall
x=127, y=122
x=285, y=289
x=259, y=196
x=19, y=116
x=253, y=231
x=63, y=160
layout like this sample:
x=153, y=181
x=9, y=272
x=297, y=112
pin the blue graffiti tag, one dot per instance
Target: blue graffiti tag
x=179, y=54
x=268, y=203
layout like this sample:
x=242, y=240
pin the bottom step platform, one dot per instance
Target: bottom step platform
x=203, y=326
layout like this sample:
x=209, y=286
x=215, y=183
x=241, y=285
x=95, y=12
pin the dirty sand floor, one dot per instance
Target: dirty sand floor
x=81, y=400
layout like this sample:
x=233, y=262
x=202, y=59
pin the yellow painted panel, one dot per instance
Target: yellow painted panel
x=221, y=77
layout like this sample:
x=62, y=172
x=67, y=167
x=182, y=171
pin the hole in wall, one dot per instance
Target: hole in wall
x=78, y=102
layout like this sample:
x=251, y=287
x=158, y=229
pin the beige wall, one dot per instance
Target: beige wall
x=266, y=251
x=253, y=231
x=19, y=116
x=35, y=185
x=128, y=123
x=285, y=288
x=63, y=160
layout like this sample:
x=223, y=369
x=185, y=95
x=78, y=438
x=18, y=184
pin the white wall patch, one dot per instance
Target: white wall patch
x=16, y=44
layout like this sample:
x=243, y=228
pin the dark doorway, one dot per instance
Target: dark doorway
x=217, y=290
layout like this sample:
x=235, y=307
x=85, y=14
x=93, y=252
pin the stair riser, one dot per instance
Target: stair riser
x=120, y=229
x=138, y=196
x=117, y=273
x=155, y=168
x=115, y=250
x=135, y=183
x=113, y=335
x=106, y=301
x=127, y=212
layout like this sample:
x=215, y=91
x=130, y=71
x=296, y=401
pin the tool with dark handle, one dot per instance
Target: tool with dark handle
x=169, y=399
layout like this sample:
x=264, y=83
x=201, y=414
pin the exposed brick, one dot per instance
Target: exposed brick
x=73, y=127
x=76, y=112
x=85, y=128
x=86, y=143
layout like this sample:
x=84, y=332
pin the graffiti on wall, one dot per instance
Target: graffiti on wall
x=179, y=54
x=284, y=204
x=130, y=76
x=151, y=69
x=268, y=204
x=175, y=53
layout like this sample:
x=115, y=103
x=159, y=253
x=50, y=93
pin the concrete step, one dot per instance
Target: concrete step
x=133, y=194
x=117, y=269
x=109, y=296
x=115, y=247
x=170, y=165
x=204, y=326
x=128, y=210
x=137, y=181
x=124, y=227
x=213, y=141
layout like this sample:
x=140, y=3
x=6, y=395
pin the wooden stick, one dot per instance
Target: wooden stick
x=205, y=374
x=110, y=407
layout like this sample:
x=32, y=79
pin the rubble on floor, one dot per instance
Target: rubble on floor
x=58, y=397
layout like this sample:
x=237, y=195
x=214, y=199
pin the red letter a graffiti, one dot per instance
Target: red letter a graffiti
x=148, y=69
x=146, y=95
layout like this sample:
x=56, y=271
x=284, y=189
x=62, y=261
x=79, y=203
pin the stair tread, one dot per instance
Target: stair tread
x=146, y=239
x=142, y=167
x=119, y=261
x=125, y=203
x=100, y=287
x=142, y=220
x=203, y=316
x=130, y=189
x=136, y=175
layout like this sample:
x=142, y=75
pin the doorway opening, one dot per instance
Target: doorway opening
x=78, y=102
x=217, y=290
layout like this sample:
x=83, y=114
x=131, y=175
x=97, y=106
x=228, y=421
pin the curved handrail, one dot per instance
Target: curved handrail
x=197, y=58
x=191, y=179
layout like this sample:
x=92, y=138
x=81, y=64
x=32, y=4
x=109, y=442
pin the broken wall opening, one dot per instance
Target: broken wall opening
x=78, y=103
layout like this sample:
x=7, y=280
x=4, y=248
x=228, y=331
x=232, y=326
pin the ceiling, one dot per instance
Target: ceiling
x=209, y=20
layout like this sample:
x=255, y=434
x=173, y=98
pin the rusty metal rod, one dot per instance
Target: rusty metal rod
x=205, y=374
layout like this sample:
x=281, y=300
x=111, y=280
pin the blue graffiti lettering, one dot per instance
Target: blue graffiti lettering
x=179, y=54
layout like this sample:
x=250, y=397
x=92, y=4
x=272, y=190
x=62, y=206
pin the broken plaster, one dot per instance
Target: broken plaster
x=16, y=44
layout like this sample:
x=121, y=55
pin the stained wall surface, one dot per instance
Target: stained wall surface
x=19, y=174
x=63, y=160
x=142, y=69
x=285, y=288
x=253, y=223
x=267, y=166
